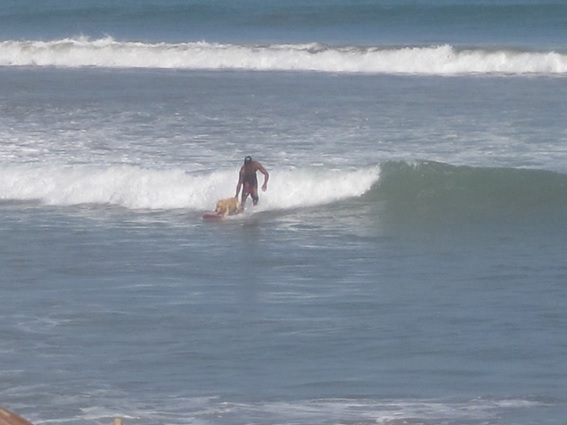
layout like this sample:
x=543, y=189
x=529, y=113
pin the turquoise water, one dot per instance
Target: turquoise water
x=405, y=265
x=506, y=22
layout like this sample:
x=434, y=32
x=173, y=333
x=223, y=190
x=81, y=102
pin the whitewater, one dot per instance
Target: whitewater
x=313, y=57
x=136, y=188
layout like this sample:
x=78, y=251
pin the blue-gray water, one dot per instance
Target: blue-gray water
x=406, y=264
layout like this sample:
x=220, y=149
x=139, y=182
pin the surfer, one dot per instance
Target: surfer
x=248, y=182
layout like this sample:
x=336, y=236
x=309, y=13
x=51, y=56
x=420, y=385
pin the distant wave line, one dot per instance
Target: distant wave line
x=312, y=57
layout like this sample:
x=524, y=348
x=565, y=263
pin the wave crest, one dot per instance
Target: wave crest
x=313, y=57
x=138, y=188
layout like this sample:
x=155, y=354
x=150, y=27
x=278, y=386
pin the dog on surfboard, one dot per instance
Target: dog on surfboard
x=228, y=206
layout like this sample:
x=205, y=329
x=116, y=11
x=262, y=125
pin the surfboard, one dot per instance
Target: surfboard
x=211, y=215
x=10, y=418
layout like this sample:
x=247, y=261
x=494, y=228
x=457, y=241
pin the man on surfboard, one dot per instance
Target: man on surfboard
x=248, y=182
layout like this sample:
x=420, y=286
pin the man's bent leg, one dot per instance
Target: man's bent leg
x=254, y=196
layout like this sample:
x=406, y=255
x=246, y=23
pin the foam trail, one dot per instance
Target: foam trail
x=138, y=188
x=432, y=60
x=124, y=186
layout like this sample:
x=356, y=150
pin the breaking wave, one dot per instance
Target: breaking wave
x=419, y=192
x=139, y=188
x=314, y=57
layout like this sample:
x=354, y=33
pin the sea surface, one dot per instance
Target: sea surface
x=407, y=264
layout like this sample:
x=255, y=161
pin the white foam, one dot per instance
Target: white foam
x=299, y=188
x=213, y=410
x=139, y=188
x=432, y=60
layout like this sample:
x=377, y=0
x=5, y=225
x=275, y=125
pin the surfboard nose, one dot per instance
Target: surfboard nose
x=10, y=418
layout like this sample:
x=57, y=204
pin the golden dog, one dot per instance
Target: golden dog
x=228, y=206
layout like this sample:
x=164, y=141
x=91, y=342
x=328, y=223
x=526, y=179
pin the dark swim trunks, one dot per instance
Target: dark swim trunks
x=250, y=183
x=251, y=187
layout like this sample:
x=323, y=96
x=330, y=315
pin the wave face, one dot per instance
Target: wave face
x=314, y=57
x=429, y=191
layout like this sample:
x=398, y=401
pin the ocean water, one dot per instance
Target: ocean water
x=405, y=266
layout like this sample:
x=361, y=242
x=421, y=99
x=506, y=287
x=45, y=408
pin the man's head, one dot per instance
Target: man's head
x=247, y=160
